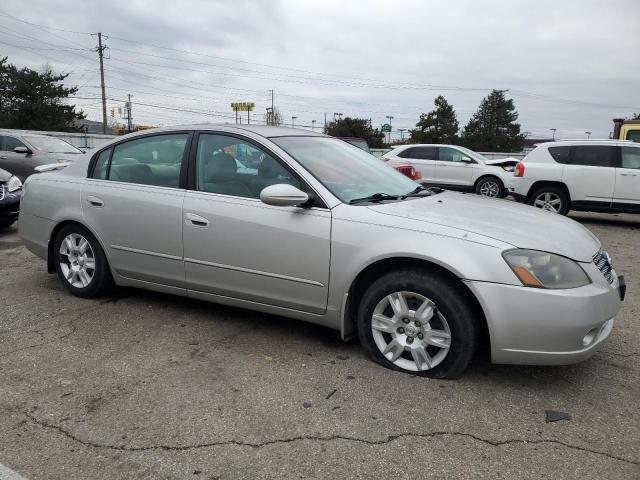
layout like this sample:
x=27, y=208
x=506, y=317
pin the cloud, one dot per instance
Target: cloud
x=570, y=65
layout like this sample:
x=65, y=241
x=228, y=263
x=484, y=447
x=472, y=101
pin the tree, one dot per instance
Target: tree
x=493, y=127
x=438, y=126
x=356, y=127
x=33, y=101
x=635, y=116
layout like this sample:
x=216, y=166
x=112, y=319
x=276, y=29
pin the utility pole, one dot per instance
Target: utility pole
x=402, y=130
x=390, y=117
x=100, y=49
x=554, y=133
x=129, y=119
x=325, y=121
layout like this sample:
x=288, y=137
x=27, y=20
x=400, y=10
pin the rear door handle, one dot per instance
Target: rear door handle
x=95, y=201
x=629, y=174
x=3, y=157
x=197, y=220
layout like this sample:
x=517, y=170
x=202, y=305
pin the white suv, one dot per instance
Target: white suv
x=456, y=168
x=587, y=175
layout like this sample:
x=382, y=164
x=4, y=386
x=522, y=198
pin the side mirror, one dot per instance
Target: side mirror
x=466, y=160
x=22, y=150
x=283, y=195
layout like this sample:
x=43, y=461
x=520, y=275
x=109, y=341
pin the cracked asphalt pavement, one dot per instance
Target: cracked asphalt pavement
x=150, y=386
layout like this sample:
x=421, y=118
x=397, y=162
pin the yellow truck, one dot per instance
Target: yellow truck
x=626, y=129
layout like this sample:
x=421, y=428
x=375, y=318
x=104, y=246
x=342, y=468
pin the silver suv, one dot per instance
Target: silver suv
x=321, y=231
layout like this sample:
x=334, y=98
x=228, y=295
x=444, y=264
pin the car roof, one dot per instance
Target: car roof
x=266, y=131
x=569, y=143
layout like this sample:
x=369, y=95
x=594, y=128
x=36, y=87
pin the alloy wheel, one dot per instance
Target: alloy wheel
x=410, y=331
x=77, y=260
x=548, y=201
x=490, y=188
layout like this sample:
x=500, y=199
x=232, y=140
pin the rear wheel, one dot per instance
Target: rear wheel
x=552, y=199
x=80, y=262
x=6, y=224
x=418, y=322
x=490, y=187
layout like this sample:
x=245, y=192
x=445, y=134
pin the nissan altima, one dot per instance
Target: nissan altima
x=321, y=231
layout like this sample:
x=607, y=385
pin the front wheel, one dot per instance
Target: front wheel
x=552, y=199
x=418, y=322
x=80, y=262
x=490, y=187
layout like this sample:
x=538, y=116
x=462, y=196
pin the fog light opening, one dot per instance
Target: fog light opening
x=590, y=337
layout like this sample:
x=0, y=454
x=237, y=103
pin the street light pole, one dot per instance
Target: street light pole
x=588, y=135
x=402, y=130
x=293, y=121
x=313, y=125
x=554, y=133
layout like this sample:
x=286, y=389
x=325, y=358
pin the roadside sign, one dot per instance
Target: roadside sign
x=386, y=128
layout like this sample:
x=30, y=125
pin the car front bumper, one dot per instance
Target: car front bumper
x=10, y=206
x=533, y=326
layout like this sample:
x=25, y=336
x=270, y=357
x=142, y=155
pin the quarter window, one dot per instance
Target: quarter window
x=230, y=166
x=633, y=135
x=561, y=154
x=154, y=160
x=630, y=157
x=594, y=155
x=419, y=153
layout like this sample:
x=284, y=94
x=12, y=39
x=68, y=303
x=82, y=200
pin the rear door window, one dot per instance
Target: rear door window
x=420, y=153
x=594, y=155
x=154, y=160
x=11, y=142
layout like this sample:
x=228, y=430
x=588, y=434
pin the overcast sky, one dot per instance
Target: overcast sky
x=570, y=65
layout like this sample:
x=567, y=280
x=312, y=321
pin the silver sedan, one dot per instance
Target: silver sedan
x=322, y=231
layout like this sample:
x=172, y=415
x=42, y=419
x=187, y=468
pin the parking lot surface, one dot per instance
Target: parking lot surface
x=144, y=385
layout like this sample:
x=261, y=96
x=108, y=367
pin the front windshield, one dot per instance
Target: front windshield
x=474, y=155
x=50, y=144
x=347, y=171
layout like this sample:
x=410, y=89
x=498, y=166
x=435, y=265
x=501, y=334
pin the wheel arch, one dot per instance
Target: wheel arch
x=489, y=175
x=548, y=183
x=385, y=265
x=51, y=268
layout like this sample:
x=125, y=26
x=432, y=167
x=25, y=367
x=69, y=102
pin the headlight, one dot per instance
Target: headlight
x=545, y=270
x=14, y=184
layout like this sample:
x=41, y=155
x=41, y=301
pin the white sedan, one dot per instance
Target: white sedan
x=456, y=168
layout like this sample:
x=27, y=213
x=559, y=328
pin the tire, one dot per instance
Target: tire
x=6, y=224
x=490, y=187
x=450, y=311
x=545, y=198
x=97, y=281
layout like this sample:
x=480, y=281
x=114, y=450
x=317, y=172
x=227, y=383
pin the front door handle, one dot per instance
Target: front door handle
x=3, y=157
x=197, y=220
x=629, y=174
x=94, y=201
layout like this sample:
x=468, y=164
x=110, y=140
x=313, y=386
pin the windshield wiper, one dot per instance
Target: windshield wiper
x=419, y=191
x=376, y=197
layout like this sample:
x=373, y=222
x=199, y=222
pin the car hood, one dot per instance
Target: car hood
x=519, y=225
x=499, y=161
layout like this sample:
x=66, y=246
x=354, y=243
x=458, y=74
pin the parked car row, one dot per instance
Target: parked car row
x=321, y=231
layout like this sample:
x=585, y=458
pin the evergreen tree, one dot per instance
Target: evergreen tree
x=437, y=126
x=493, y=127
x=33, y=101
x=356, y=127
